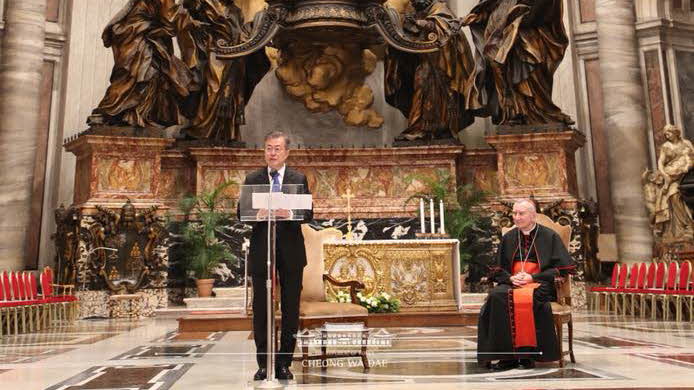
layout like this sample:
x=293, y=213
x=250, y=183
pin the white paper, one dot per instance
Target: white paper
x=259, y=200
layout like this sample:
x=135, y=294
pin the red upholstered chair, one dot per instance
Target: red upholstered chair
x=36, y=305
x=684, y=291
x=635, y=287
x=667, y=292
x=621, y=285
x=642, y=288
x=5, y=305
x=629, y=289
x=599, y=292
x=656, y=288
x=62, y=304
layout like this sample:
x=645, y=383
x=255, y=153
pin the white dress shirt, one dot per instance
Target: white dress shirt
x=281, y=174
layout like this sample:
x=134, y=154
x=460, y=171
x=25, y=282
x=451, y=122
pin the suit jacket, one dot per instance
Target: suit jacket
x=554, y=259
x=289, y=241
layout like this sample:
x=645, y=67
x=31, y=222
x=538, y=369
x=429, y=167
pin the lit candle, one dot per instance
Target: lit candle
x=443, y=230
x=422, y=226
x=433, y=217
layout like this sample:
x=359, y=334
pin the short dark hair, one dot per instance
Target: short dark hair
x=278, y=134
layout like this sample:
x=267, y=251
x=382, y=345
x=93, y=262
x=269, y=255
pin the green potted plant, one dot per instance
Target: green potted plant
x=204, y=218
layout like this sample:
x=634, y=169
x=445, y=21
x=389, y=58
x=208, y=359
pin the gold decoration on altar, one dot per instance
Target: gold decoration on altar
x=420, y=273
x=330, y=77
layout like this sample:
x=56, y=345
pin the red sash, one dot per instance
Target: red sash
x=523, y=317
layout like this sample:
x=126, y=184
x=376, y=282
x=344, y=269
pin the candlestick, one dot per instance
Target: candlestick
x=422, y=226
x=433, y=217
x=441, y=228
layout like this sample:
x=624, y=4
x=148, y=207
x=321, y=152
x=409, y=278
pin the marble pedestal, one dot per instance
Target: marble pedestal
x=112, y=168
x=541, y=164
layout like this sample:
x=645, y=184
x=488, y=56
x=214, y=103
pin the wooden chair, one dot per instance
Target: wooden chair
x=561, y=308
x=314, y=308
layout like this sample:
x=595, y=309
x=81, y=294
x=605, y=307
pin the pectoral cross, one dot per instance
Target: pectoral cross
x=349, y=197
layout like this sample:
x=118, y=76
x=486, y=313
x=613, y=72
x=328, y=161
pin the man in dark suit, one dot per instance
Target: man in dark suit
x=290, y=258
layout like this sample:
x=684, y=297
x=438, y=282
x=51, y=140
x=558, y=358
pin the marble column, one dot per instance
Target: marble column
x=626, y=124
x=20, y=77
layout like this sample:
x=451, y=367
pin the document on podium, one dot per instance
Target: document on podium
x=282, y=201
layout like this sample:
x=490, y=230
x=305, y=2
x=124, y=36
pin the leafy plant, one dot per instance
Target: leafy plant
x=374, y=303
x=204, y=218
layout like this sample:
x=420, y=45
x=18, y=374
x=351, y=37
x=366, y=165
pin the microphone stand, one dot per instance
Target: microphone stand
x=270, y=381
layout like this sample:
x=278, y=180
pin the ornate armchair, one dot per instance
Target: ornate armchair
x=315, y=310
x=561, y=308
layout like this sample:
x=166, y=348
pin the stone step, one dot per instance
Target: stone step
x=198, y=303
x=228, y=292
x=473, y=298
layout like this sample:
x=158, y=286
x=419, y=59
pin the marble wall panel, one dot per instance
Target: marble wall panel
x=123, y=175
x=656, y=99
x=533, y=171
x=685, y=77
x=587, y=8
x=53, y=10
x=599, y=143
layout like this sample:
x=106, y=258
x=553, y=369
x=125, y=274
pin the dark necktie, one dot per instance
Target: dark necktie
x=275, y=181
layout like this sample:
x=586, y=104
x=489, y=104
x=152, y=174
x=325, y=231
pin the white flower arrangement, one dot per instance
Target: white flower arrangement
x=375, y=303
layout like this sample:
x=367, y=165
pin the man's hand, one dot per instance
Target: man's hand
x=279, y=214
x=521, y=279
x=282, y=213
x=262, y=214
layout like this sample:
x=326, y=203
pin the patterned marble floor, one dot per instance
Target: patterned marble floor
x=612, y=352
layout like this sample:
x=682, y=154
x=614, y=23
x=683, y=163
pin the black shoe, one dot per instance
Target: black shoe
x=284, y=373
x=505, y=365
x=260, y=375
x=527, y=364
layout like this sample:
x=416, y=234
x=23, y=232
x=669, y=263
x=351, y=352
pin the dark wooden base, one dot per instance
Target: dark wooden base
x=237, y=322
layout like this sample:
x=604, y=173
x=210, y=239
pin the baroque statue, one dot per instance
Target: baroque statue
x=429, y=88
x=66, y=238
x=152, y=88
x=148, y=82
x=217, y=108
x=519, y=46
x=330, y=77
x=671, y=218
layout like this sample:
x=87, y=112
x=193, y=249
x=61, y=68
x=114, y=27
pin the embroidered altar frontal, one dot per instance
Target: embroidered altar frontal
x=422, y=274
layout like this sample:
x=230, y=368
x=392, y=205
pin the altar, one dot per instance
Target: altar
x=423, y=274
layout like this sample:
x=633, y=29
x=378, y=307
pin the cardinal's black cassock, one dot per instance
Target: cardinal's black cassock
x=516, y=323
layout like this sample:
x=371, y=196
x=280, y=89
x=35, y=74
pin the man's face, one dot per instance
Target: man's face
x=276, y=152
x=523, y=216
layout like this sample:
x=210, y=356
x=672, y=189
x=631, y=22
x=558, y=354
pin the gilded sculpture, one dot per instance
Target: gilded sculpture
x=519, y=46
x=671, y=218
x=217, y=108
x=429, y=88
x=148, y=82
x=330, y=77
x=136, y=237
x=66, y=238
x=152, y=88
x=326, y=50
